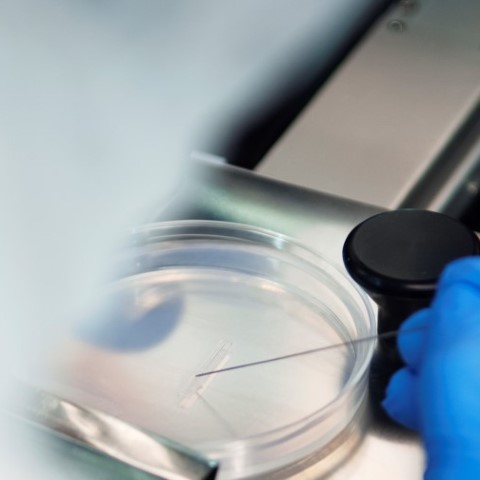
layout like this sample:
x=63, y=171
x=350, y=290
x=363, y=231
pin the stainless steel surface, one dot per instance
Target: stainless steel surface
x=150, y=454
x=387, y=117
x=226, y=193
x=453, y=185
x=373, y=447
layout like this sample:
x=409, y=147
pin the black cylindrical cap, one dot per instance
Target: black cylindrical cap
x=402, y=253
x=398, y=257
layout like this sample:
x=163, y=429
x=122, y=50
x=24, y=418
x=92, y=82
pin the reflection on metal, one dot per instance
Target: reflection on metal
x=223, y=192
x=156, y=456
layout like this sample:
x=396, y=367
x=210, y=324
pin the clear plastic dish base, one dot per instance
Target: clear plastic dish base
x=201, y=296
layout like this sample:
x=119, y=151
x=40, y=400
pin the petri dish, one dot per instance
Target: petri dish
x=197, y=296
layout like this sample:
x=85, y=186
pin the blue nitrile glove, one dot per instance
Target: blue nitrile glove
x=438, y=392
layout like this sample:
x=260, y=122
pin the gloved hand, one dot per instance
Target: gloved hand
x=438, y=392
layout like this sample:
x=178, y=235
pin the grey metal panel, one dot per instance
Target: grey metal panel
x=389, y=112
x=454, y=180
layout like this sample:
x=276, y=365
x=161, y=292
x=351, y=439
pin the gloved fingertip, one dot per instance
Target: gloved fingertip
x=411, y=338
x=462, y=270
x=456, y=303
x=401, y=402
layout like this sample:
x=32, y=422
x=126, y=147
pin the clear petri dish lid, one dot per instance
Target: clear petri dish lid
x=200, y=296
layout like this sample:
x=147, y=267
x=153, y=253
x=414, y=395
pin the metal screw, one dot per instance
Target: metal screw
x=409, y=6
x=397, y=26
x=472, y=187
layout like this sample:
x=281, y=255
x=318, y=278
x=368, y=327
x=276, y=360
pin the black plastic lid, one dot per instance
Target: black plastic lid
x=403, y=252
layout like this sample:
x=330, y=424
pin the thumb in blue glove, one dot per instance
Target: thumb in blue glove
x=438, y=392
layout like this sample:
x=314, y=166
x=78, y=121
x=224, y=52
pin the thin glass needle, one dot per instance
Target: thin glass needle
x=385, y=335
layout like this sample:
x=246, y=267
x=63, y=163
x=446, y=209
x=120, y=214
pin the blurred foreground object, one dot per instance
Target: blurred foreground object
x=104, y=440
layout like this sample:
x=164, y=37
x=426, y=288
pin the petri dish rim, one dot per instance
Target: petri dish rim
x=152, y=234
